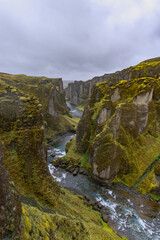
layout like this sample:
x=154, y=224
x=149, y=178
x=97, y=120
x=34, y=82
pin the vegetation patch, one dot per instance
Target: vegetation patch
x=122, y=128
x=77, y=221
x=80, y=107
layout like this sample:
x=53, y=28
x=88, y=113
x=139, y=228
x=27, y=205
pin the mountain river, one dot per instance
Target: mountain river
x=130, y=214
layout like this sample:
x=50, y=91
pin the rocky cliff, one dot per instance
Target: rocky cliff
x=32, y=204
x=120, y=129
x=10, y=205
x=78, y=92
x=23, y=135
x=50, y=94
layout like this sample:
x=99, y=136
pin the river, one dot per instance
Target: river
x=130, y=214
x=74, y=111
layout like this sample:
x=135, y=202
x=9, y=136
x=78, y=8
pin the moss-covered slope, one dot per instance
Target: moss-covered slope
x=72, y=220
x=23, y=135
x=50, y=94
x=120, y=130
x=10, y=206
x=78, y=92
x=46, y=211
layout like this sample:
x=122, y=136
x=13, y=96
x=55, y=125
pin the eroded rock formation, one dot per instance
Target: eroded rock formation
x=46, y=211
x=120, y=131
x=49, y=92
x=78, y=92
x=10, y=205
x=23, y=134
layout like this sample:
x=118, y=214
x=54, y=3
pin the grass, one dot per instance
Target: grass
x=73, y=121
x=80, y=107
x=146, y=172
x=84, y=160
x=74, y=220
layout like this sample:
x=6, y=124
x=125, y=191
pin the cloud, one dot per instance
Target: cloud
x=76, y=39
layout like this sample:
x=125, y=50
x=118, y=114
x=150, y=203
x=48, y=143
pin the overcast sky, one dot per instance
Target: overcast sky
x=77, y=39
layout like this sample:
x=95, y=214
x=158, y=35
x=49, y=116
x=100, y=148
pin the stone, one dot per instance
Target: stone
x=144, y=98
x=103, y=116
x=116, y=95
x=105, y=217
x=71, y=169
x=100, y=206
x=81, y=170
x=53, y=155
x=75, y=172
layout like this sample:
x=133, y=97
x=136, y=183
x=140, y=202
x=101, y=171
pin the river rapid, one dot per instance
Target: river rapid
x=130, y=214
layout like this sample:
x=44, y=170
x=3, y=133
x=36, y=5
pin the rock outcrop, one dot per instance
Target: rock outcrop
x=10, y=205
x=78, y=92
x=23, y=135
x=40, y=209
x=120, y=130
x=49, y=92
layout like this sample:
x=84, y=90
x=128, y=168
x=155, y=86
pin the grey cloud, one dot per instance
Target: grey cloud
x=74, y=39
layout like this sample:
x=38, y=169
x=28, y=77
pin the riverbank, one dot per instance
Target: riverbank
x=128, y=213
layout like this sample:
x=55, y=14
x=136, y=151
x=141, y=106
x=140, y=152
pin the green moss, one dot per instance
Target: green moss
x=146, y=68
x=96, y=109
x=51, y=212
x=72, y=121
x=130, y=89
x=125, y=141
x=155, y=194
x=49, y=93
x=27, y=166
x=146, y=173
x=71, y=159
x=103, y=88
x=80, y=107
x=23, y=137
x=84, y=160
x=73, y=221
x=65, y=124
x=83, y=132
x=135, y=160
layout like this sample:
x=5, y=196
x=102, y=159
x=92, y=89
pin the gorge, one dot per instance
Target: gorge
x=126, y=209
x=115, y=153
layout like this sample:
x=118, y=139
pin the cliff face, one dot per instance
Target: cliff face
x=50, y=94
x=120, y=131
x=78, y=92
x=23, y=135
x=40, y=209
x=10, y=206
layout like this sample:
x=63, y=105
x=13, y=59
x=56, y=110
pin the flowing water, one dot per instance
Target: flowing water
x=74, y=111
x=57, y=148
x=130, y=214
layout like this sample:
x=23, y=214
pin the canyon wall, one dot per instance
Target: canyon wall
x=78, y=92
x=32, y=204
x=49, y=92
x=120, y=129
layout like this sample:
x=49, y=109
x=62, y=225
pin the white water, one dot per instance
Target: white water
x=121, y=209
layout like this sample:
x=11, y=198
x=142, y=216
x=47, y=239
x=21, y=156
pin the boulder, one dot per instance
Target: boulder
x=75, y=172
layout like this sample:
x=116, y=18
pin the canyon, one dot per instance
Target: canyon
x=117, y=142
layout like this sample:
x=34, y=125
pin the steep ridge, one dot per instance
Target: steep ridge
x=10, y=205
x=33, y=205
x=50, y=94
x=22, y=133
x=120, y=130
x=77, y=92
